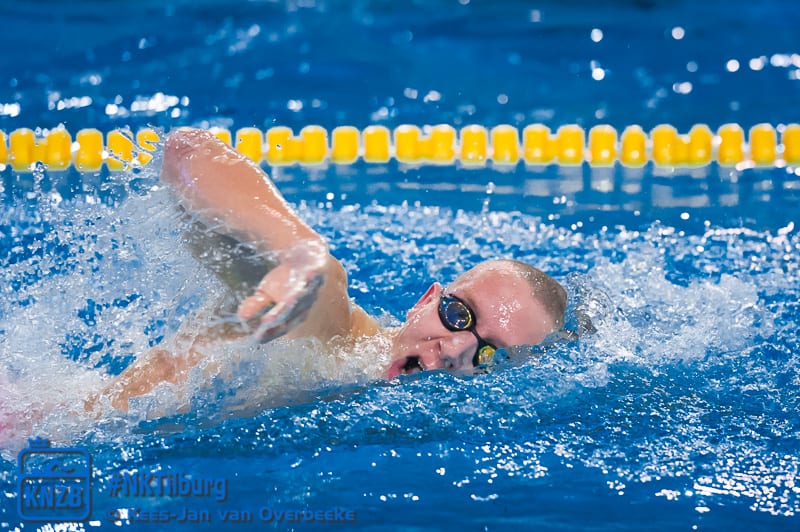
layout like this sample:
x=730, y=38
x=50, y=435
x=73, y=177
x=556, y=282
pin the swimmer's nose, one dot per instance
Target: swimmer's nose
x=455, y=364
x=457, y=351
x=449, y=363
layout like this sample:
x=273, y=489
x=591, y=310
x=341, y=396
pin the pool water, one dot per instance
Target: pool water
x=680, y=412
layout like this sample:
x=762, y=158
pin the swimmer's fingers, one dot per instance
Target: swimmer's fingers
x=282, y=323
x=272, y=291
x=287, y=313
x=254, y=305
x=298, y=273
x=275, y=287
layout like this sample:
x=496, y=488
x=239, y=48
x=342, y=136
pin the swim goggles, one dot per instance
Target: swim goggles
x=457, y=316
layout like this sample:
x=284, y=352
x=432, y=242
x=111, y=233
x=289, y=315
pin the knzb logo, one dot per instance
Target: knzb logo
x=55, y=484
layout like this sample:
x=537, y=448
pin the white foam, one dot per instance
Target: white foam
x=129, y=260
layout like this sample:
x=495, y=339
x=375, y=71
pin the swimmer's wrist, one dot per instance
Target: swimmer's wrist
x=311, y=253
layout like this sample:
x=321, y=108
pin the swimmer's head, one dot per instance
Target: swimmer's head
x=496, y=304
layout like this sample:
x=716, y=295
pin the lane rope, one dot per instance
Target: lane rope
x=471, y=146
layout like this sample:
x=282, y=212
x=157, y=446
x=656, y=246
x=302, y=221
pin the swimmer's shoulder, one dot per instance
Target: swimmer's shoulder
x=362, y=324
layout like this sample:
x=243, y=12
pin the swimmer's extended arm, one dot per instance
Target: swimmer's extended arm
x=226, y=187
x=307, y=292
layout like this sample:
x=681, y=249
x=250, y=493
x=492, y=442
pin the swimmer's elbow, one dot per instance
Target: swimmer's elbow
x=179, y=149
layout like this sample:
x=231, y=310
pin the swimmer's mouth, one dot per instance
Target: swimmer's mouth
x=413, y=365
x=406, y=366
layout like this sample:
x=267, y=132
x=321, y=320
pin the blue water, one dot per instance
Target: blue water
x=680, y=413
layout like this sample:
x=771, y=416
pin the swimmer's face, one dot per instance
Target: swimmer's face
x=505, y=314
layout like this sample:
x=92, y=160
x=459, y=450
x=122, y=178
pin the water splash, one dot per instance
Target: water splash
x=687, y=391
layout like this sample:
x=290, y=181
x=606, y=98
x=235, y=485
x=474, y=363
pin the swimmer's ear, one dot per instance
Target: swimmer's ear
x=433, y=292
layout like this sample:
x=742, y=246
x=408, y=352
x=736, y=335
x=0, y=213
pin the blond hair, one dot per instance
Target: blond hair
x=544, y=288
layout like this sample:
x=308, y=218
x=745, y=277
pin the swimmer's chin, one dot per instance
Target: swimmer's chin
x=405, y=366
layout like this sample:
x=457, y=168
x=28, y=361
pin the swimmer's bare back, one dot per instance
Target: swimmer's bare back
x=305, y=295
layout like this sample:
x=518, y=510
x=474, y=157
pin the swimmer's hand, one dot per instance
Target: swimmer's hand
x=286, y=294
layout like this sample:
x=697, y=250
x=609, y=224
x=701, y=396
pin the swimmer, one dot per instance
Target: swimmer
x=457, y=328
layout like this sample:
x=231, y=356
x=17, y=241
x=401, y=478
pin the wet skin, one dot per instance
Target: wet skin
x=505, y=312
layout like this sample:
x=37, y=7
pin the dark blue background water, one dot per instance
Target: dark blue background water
x=239, y=64
x=242, y=62
x=680, y=414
